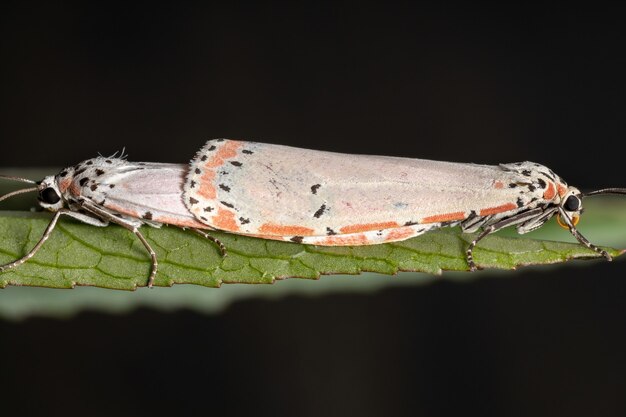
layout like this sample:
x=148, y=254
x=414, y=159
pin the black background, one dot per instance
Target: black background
x=468, y=84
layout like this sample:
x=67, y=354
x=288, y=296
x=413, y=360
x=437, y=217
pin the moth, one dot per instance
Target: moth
x=307, y=196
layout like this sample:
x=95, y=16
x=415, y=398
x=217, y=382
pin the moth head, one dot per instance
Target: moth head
x=571, y=204
x=613, y=191
x=49, y=195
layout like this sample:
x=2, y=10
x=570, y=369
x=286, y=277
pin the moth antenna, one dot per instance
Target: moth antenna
x=20, y=179
x=617, y=191
x=22, y=191
x=12, y=178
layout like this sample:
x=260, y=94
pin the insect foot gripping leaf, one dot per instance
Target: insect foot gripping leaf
x=78, y=254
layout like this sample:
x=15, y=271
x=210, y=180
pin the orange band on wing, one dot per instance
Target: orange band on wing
x=65, y=184
x=180, y=222
x=74, y=189
x=224, y=151
x=280, y=230
x=399, y=234
x=550, y=191
x=356, y=228
x=122, y=210
x=348, y=240
x=562, y=190
x=225, y=220
x=498, y=209
x=457, y=215
x=207, y=190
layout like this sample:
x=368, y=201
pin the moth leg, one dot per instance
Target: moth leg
x=105, y=215
x=212, y=239
x=153, y=257
x=85, y=218
x=509, y=221
x=580, y=237
x=46, y=234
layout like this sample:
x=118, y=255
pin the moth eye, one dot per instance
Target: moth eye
x=49, y=196
x=572, y=203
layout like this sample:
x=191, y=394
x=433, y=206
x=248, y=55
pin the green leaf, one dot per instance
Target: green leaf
x=112, y=257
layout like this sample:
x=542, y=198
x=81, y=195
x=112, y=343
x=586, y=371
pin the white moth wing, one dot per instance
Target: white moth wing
x=274, y=190
x=142, y=190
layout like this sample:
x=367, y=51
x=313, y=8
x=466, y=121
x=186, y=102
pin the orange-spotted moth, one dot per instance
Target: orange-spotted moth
x=308, y=196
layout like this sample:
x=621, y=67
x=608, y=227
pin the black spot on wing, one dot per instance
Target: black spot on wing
x=80, y=171
x=297, y=239
x=315, y=187
x=236, y=163
x=111, y=185
x=244, y=221
x=520, y=202
x=198, y=171
x=247, y=151
x=99, y=172
x=512, y=185
x=192, y=184
x=94, y=187
x=551, y=175
x=320, y=211
x=542, y=183
x=89, y=162
x=208, y=209
x=526, y=172
x=227, y=204
x=147, y=215
x=83, y=181
x=410, y=223
x=330, y=231
x=225, y=187
x=62, y=174
x=108, y=161
x=531, y=187
x=204, y=158
x=192, y=201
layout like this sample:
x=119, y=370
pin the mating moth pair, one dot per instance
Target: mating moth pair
x=307, y=196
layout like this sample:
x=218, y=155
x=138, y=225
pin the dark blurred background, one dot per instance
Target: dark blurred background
x=420, y=80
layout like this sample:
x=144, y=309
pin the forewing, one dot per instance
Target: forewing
x=273, y=190
x=143, y=190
